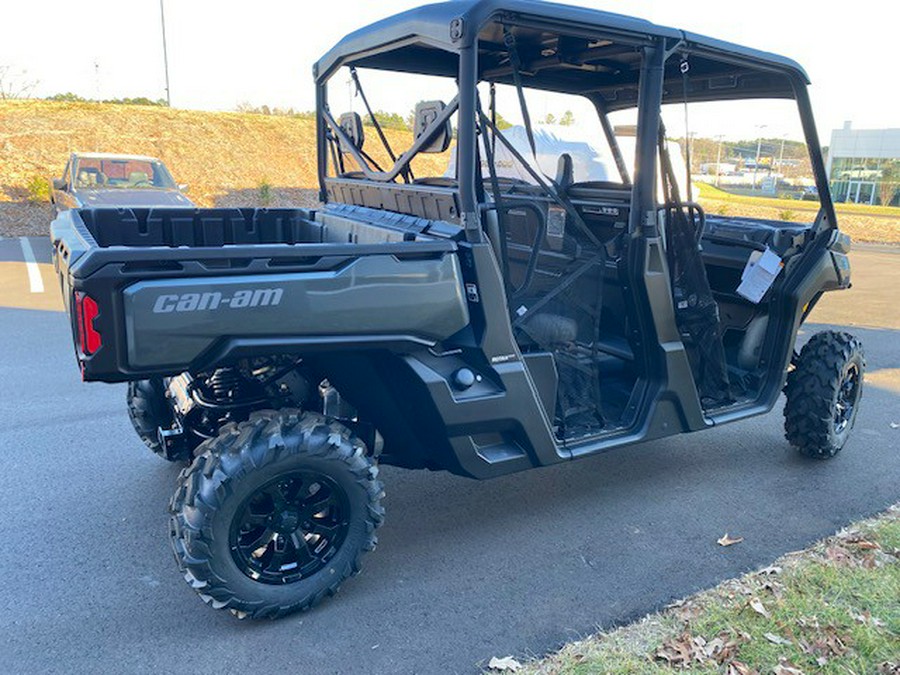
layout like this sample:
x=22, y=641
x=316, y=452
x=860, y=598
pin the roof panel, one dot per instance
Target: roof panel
x=431, y=24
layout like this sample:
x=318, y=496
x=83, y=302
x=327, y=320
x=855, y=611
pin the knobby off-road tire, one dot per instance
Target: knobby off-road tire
x=823, y=394
x=148, y=410
x=283, y=478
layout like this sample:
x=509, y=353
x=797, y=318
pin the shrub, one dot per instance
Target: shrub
x=723, y=209
x=264, y=192
x=38, y=189
x=786, y=215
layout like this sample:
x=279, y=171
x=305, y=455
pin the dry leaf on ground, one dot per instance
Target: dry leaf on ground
x=726, y=540
x=756, y=605
x=505, y=664
x=738, y=668
x=681, y=651
x=777, y=639
x=787, y=668
x=839, y=556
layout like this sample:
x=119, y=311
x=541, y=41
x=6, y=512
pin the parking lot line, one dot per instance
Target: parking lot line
x=34, y=272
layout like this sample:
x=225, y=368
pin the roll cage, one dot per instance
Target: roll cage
x=617, y=62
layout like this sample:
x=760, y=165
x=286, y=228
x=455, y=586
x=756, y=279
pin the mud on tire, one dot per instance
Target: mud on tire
x=823, y=394
x=275, y=513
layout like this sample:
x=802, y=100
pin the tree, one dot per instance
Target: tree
x=890, y=176
x=550, y=119
x=568, y=119
x=502, y=122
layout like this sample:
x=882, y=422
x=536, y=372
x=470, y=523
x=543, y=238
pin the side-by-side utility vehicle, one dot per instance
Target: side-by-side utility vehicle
x=469, y=321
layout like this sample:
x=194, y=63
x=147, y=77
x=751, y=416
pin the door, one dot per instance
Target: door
x=860, y=192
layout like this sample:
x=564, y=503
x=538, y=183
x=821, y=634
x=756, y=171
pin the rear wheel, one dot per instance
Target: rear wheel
x=274, y=513
x=149, y=410
x=823, y=394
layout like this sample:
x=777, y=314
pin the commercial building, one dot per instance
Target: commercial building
x=863, y=165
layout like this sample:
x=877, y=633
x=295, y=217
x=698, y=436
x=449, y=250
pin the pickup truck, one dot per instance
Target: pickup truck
x=471, y=322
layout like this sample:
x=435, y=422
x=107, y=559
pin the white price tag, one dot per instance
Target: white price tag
x=760, y=272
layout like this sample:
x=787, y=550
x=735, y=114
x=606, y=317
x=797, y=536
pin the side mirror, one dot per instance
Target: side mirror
x=59, y=184
x=183, y=187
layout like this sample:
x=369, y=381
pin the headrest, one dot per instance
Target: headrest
x=87, y=177
x=351, y=124
x=565, y=171
x=426, y=113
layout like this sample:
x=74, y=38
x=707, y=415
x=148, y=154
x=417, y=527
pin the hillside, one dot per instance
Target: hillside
x=249, y=159
x=227, y=159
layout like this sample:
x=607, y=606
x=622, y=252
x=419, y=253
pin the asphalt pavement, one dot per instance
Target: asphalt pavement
x=464, y=570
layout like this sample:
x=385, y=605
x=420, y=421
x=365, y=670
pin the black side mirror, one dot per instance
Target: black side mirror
x=59, y=184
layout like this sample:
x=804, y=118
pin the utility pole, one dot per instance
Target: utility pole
x=162, y=18
x=758, y=150
x=718, y=156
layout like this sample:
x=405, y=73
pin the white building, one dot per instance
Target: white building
x=863, y=165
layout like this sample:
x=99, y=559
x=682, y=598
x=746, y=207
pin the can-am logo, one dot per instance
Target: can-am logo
x=199, y=302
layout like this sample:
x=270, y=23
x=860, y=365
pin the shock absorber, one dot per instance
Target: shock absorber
x=224, y=386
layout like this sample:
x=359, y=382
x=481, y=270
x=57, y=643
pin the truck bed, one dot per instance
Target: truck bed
x=165, y=291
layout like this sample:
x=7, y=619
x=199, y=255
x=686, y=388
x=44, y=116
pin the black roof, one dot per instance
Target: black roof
x=420, y=41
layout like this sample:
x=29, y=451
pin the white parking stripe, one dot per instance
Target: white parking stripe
x=34, y=272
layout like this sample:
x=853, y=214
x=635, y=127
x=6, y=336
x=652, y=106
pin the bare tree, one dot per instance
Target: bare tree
x=15, y=85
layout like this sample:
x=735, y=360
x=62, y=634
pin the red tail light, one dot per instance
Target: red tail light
x=86, y=311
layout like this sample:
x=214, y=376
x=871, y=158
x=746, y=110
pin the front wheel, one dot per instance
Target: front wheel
x=823, y=394
x=275, y=513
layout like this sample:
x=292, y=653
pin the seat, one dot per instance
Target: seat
x=87, y=178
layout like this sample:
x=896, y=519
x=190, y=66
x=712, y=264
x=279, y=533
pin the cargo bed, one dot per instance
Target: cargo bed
x=162, y=291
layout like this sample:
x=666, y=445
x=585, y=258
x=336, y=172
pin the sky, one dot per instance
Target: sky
x=225, y=52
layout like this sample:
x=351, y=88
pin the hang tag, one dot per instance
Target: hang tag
x=759, y=274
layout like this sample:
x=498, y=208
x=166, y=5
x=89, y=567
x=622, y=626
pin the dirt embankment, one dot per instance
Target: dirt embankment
x=227, y=159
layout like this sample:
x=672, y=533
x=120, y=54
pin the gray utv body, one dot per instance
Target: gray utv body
x=463, y=323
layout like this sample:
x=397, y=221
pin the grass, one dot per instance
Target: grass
x=834, y=608
x=708, y=191
x=879, y=224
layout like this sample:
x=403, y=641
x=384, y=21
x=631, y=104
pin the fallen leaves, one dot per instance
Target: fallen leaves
x=686, y=650
x=858, y=541
x=504, y=664
x=867, y=619
x=785, y=667
x=839, y=556
x=825, y=644
x=738, y=668
x=726, y=540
